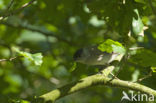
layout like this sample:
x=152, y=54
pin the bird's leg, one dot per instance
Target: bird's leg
x=108, y=71
x=114, y=76
x=120, y=65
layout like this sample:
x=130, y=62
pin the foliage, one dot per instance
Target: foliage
x=35, y=58
x=111, y=46
x=48, y=32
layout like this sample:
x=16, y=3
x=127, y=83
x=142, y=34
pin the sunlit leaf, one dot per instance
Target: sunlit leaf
x=137, y=24
x=153, y=69
x=111, y=46
x=36, y=58
x=73, y=67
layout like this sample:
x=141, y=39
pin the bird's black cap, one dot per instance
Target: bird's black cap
x=77, y=54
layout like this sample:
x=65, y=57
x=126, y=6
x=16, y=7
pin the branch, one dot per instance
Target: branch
x=28, y=26
x=33, y=28
x=17, y=10
x=88, y=82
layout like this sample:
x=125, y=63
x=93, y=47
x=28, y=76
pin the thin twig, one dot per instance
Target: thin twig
x=10, y=59
x=22, y=7
x=9, y=6
x=136, y=48
x=138, y=66
x=17, y=10
x=145, y=77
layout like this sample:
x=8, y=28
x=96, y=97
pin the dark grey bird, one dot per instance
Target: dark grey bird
x=93, y=56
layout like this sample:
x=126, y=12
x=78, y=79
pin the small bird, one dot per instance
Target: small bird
x=93, y=56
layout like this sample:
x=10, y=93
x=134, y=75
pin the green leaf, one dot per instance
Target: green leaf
x=110, y=46
x=140, y=1
x=153, y=69
x=18, y=101
x=137, y=24
x=73, y=67
x=35, y=58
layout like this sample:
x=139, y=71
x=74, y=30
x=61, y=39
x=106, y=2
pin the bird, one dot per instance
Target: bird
x=93, y=56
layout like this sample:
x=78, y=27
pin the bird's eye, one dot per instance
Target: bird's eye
x=78, y=54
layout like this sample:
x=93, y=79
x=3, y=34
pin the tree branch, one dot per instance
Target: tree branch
x=91, y=81
x=33, y=28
